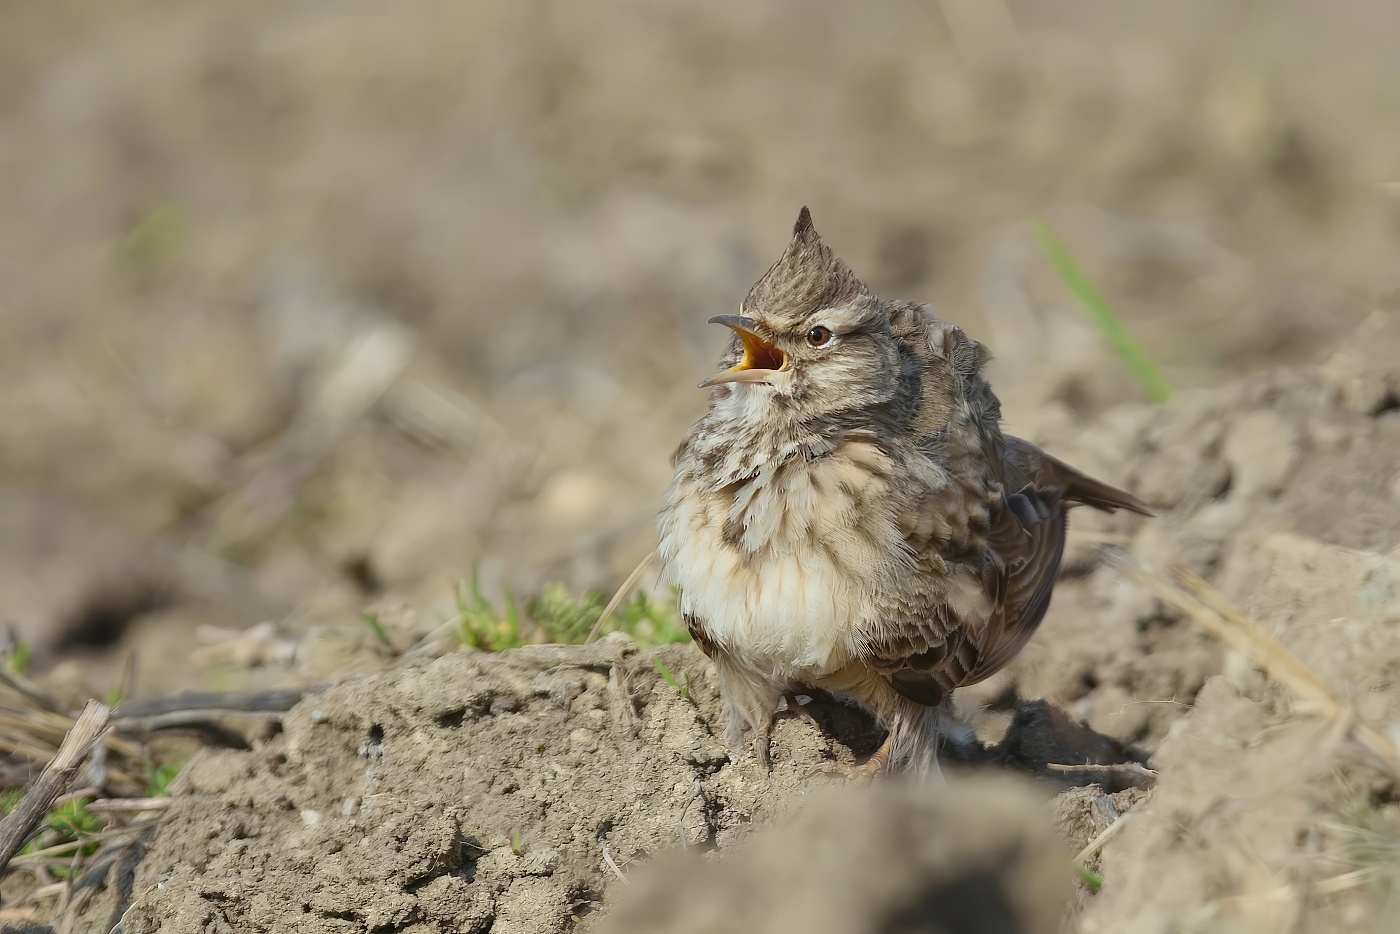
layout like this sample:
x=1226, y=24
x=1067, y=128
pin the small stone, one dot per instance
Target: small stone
x=319, y=716
x=1363, y=371
x=310, y=818
x=503, y=703
x=1328, y=435
x=1103, y=810
x=581, y=740
x=1261, y=448
x=350, y=806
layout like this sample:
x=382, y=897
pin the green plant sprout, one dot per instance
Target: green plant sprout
x=67, y=830
x=683, y=689
x=555, y=616
x=372, y=623
x=1102, y=316
x=1090, y=878
x=18, y=660
x=159, y=777
x=479, y=624
x=156, y=237
x=649, y=621
x=1369, y=834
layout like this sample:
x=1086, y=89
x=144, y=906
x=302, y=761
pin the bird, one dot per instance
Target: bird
x=848, y=515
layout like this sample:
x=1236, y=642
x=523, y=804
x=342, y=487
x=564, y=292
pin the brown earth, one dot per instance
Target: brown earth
x=511, y=792
x=308, y=310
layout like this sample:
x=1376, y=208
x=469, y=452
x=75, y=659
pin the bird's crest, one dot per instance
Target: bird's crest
x=808, y=276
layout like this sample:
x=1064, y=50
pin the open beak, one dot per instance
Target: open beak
x=761, y=359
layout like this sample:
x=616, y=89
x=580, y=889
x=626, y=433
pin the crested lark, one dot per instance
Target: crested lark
x=849, y=516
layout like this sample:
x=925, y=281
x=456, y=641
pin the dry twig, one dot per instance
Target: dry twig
x=57, y=775
x=620, y=595
x=231, y=701
x=1096, y=844
x=612, y=864
x=108, y=805
x=1211, y=610
x=1123, y=768
x=22, y=686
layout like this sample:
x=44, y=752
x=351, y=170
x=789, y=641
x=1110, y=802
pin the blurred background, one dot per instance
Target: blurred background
x=308, y=308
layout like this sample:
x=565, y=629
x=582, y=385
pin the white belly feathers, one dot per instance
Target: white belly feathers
x=783, y=566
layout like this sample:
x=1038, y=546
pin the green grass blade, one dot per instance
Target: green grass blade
x=683, y=689
x=1101, y=314
x=159, y=777
x=1092, y=879
x=666, y=674
x=372, y=622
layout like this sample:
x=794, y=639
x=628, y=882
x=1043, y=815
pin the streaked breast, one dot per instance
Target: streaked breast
x=782, y=567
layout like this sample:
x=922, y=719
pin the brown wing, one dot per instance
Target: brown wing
x=927, y=658
x=925, y=661
x=1028, y=537
x=698, y=634
x=1017, y=568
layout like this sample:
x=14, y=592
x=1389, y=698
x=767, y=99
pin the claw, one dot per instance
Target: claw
x=862, y=774
x=763, y=736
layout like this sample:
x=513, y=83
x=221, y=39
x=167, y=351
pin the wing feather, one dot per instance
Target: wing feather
x=932, y=652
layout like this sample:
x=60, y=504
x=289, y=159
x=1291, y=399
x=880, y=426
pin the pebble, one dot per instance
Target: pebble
x=1261, y=449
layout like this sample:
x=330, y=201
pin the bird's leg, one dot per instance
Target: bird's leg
x=764, y=735
x=866, y=772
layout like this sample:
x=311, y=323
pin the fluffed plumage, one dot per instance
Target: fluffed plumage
x=849, y=516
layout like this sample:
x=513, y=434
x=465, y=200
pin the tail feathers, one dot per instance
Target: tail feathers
x=1082, y=488
x=916, y=735
x=1028, y=465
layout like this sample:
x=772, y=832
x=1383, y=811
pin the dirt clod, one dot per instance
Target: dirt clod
x=483, y=791
x=975, y=857
x=487, y=788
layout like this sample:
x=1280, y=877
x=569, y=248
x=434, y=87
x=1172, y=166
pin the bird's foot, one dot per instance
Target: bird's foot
x=864, y=773
x=763, y=736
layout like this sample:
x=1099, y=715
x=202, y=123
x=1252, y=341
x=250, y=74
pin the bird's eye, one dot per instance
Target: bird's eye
x=819, y=336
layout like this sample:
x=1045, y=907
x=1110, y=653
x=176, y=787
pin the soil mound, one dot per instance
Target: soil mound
x=516, y=792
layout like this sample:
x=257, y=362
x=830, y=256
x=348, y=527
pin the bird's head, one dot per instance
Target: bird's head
x=810, y=342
